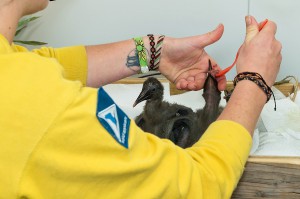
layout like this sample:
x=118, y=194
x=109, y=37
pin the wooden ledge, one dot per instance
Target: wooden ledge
x=285, y=88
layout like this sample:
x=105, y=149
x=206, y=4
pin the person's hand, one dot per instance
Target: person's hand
x=185, y=62
x=261, y=52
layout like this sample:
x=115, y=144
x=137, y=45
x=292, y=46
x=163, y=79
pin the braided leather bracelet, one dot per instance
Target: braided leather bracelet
x=258, y=80
x=152, y=50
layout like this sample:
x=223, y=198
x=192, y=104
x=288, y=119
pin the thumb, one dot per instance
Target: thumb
x=212, y=37
x=251, y=28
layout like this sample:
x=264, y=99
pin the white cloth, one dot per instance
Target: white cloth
x=282, y=128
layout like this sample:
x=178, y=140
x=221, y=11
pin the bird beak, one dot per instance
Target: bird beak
x=144, y=95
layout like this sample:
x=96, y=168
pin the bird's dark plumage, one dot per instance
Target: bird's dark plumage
x=176, y=122
x=212, y=97
x=164, y=119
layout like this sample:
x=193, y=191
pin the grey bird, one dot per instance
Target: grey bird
x=175, y=122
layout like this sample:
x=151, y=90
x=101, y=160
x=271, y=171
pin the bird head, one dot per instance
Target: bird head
x=152, y=90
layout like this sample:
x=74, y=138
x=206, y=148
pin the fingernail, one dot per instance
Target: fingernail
x=248, y=20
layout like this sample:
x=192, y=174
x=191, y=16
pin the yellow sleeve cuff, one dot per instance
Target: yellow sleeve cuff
x=73, y=59
x=232, y=135
x=222, y=153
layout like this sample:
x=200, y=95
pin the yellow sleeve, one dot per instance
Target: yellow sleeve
x=60, y=149
x=73, y=59
x=78, y=158
x=221, y=154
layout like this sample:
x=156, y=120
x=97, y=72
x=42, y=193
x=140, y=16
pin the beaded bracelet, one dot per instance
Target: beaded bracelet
x=258, y=80
x=141, y=54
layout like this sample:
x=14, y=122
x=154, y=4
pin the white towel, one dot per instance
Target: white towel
x=282, y=134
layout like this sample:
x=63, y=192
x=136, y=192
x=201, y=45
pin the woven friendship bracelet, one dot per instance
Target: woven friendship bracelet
x=158, y=48
x=152, y=50
x=142, y=54
x=258, y=80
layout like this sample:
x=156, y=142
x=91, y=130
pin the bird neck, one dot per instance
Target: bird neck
x=153, y=106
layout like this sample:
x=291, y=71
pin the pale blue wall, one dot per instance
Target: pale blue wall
x=71, y=22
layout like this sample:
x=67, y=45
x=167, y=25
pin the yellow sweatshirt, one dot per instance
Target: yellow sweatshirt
x=52, y=144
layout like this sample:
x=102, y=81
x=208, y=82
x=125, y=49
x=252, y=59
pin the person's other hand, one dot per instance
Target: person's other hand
x=185, y=62
x=261, y=52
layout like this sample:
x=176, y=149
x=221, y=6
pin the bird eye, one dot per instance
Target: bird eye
x=153, y=89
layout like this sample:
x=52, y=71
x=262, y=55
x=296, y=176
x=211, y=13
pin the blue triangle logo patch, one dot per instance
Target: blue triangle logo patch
x=112, y=118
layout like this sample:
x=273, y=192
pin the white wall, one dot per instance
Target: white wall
x=71, y=22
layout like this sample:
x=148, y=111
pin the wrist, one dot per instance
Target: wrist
x=250, y=91
x=166, y=71
x=155, y=45
x=148, y=51
x=258, y=80
x=245, y=105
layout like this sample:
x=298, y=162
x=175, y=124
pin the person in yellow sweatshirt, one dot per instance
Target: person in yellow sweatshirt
x=62, y=136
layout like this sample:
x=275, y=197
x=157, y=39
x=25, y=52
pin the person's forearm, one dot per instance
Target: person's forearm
x=111, y=62
x=245, y=105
